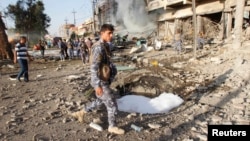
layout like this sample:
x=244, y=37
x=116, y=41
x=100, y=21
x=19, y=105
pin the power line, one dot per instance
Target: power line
x=87, y=9
x=84, y=11
x=81, y=7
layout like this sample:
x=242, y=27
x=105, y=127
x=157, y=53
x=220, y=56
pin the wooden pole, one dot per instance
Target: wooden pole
x=229, y=24
x=195, y=27
x=93, y=8
x=238, y=24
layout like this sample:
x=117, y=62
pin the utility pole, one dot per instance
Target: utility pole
x=74, y=12
x=195, y=27
x=93, y=8
x=66, y=27
x=239, y=14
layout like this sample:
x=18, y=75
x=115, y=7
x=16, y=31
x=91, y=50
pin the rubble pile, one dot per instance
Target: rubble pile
x=214, y=88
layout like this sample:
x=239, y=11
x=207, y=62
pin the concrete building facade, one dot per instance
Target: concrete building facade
x=214, y=17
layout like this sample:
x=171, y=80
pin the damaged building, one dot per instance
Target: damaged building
x=127, y=16
x=102, y=12
x=215, y=18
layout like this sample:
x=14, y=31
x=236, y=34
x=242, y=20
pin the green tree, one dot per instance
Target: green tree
x=73, y=36
x=29, y=17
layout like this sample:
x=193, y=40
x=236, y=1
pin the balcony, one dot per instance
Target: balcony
x=174, y=2
x=157, y=4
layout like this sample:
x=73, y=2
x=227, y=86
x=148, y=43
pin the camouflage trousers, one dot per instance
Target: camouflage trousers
x=201, y=42
x=84, y=57
x=178, y=46
x=109, y=101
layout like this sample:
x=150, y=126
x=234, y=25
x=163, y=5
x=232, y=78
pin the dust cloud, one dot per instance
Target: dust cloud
x=131, y=16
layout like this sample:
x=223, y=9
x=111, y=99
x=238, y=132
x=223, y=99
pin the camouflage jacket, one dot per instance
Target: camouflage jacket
x=101, y=55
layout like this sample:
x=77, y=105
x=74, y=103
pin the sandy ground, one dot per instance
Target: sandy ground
x=215, y=87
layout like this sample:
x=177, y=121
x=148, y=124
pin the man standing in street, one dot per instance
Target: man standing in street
x=61, y=46
x=21, y=55
x=89, y=44
x=103, y=72
x=42, y=47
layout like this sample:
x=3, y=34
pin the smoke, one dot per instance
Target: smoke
x=132, y=16
x=33, y=37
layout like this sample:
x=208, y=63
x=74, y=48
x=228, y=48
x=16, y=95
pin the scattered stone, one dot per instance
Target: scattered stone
x=11, y=66
x=79, y=103
x=70, y=103
x=85, y=130
x=39, y=76
x=176, y=74
x=193, y=129
x=96, y=126
x=201, y=136
x=55, y=114
x=238, y=100
x=167, y=132
x=191, y=117
x=188, y=140
x=37, y=124
x=65, y=120
x=248, y=100
x=71, y=78
x=239, y=106
x=216, y=60
x=18, y=131
x=38, y=137
x=58, y=68
x=204, y=130
x=25, y=101
x=154, y=125
x=27, y=106
x=97, y=121
x=131, y=115
x=145, y=62
x=46, y=118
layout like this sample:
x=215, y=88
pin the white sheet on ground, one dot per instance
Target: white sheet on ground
x=141, y=104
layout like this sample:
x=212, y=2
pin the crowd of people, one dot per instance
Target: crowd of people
x=78, y=48
x=68, y=49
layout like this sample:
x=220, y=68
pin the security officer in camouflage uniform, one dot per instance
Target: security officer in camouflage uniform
x=178, y=41
x=103, y=72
